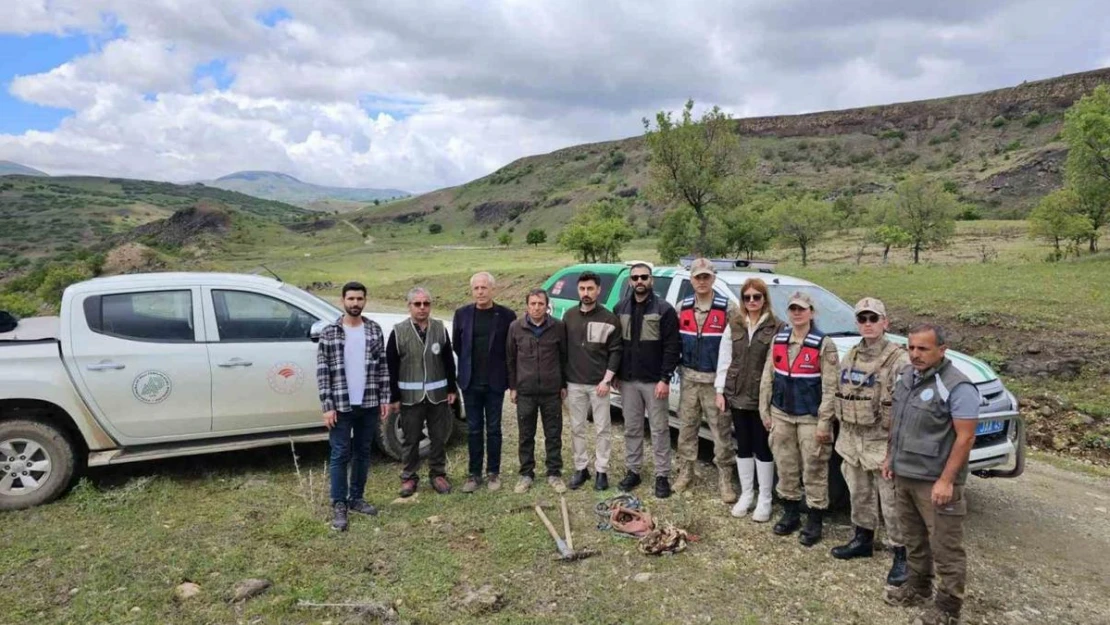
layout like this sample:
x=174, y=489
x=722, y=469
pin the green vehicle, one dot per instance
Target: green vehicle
x=1000, y=433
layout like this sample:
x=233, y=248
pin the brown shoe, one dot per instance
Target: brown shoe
x=493, y=481
x=724, y=484
x=471, y=484
x=913, y=593
x=408, y=487
x=441, y=485
x=685, y=478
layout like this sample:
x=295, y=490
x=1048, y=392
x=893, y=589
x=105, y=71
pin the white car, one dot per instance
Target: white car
x=149, y=366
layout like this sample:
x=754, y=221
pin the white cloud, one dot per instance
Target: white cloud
x=424, y=95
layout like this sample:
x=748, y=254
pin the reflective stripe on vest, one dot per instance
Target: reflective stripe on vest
x=700, y=344
x=421, y=374
x=797, y=385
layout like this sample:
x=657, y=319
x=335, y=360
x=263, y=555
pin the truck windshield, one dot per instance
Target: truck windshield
x=834, y=316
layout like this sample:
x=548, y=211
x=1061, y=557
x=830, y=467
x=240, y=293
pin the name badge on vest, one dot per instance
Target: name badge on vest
x=927, y=394
x=435, y=348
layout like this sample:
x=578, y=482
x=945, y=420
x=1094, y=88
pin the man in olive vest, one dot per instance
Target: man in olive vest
x=936, y=409
x=422, y=385
x=864, y=391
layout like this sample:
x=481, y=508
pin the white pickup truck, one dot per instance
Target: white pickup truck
x=149, y=366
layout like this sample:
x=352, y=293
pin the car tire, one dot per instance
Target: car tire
x=392, y=439
x=49, y=447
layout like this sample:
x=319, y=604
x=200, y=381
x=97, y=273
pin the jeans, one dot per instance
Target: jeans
x=483, y=427
x=350, y=442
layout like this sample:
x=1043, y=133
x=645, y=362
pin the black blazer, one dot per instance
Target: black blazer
x=462, y=339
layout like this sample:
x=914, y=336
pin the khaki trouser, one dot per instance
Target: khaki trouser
x=934, y=536
x=800, y=459
x=863, y=449
x=697, y=399
x=638, y=398
x=580, y=399
x=867, y=486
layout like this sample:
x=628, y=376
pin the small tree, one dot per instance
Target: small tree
x=1087, y=133
x=598, y=232
x=435, y=228
x=888, y=236
x=748, y=229
x=803, y=222
x=536, y=236
x=505, y=239
x=694, y=163
x=57, y=278
x=847, y=212
x=1060, y=217
x=926, y=212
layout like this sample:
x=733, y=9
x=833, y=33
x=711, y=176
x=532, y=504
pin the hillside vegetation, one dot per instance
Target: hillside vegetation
x=1000, y=151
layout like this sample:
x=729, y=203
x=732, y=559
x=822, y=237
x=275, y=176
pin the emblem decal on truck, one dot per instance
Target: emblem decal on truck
x=151, y=387
x=285, y=377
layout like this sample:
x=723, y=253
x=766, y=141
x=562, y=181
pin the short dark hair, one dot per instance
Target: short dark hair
x=536, y=293
x=936, y=329
x=589, y=276
x=353, y=286
x=636, y=266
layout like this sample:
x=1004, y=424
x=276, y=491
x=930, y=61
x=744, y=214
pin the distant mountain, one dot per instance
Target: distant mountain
x=272, y=185
x=8, y=168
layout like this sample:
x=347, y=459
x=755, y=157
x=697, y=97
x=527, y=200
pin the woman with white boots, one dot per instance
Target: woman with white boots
x=744, y=348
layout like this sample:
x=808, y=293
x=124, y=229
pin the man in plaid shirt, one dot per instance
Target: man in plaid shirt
x=353, y=380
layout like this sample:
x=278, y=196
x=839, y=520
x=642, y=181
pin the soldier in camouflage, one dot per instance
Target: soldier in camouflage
x=865, y=388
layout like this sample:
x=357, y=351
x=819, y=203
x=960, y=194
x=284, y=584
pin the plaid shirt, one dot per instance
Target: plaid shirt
x=331, y=376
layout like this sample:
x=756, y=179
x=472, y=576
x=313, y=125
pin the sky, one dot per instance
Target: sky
x=423, y=95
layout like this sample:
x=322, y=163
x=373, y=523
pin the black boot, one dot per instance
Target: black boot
x=790, y=521
x=862, y=545
x=339, y=519
x=630, y=481
x=899, y=572
x=662, y=487
x=578, y=479
x=811, y=533
x=601, y=482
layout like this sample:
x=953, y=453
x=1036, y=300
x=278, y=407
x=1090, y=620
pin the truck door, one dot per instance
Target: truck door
x=263, y=362
x=140, y=362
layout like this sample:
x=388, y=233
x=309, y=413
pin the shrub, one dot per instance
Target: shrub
x=998, y=122
x=435, y=228
x=892, y=134
x=1034, y=119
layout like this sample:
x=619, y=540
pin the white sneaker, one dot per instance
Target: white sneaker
x=745, y=467
x=522, y=485
x=556, y=484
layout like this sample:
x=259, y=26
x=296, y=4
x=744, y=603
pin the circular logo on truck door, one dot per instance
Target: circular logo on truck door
x=151, y=387
x=285, y=377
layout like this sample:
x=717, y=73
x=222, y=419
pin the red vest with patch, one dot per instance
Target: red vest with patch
x=797, y=385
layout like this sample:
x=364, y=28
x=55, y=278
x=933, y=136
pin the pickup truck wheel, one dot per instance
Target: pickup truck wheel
x=392, y=439
x=37, y=461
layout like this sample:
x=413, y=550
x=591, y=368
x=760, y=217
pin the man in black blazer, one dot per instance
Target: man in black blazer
x=478, y=337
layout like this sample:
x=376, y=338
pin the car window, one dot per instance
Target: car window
x=566, y=286
x=158, y=316
x=685, y=289
x=661, y=284
x=834, y=315
x=243, y=316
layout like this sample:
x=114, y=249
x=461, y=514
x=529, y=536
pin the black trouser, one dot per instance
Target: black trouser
x=551, y=409
x=752, y=439
x=438, y=419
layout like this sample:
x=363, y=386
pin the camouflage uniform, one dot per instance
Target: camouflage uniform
x=799, y=458
x=698, y=397
x=865, y=387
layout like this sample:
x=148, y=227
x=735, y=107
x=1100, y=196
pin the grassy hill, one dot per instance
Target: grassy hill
x=285, y=188
x=1000, y=150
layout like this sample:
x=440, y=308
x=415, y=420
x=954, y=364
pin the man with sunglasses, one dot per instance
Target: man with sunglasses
x=652, y=347
x=864, y=396
x=702, y=320
x=422, y=385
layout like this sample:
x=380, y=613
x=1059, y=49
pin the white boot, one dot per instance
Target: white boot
x=745, y=467
x=765, y=471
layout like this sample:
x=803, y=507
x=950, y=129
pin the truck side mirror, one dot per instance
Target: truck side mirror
x=317, y=329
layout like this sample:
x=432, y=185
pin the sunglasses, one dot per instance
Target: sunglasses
x=867, y=318
x=796, y=308
x=640, y=278
x=755, y=297
x=421, y=304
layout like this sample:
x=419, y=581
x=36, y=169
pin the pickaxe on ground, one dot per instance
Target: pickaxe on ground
x=566, y=548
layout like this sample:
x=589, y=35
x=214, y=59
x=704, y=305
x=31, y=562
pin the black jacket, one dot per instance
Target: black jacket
x=462, y=336
x=652, y=344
